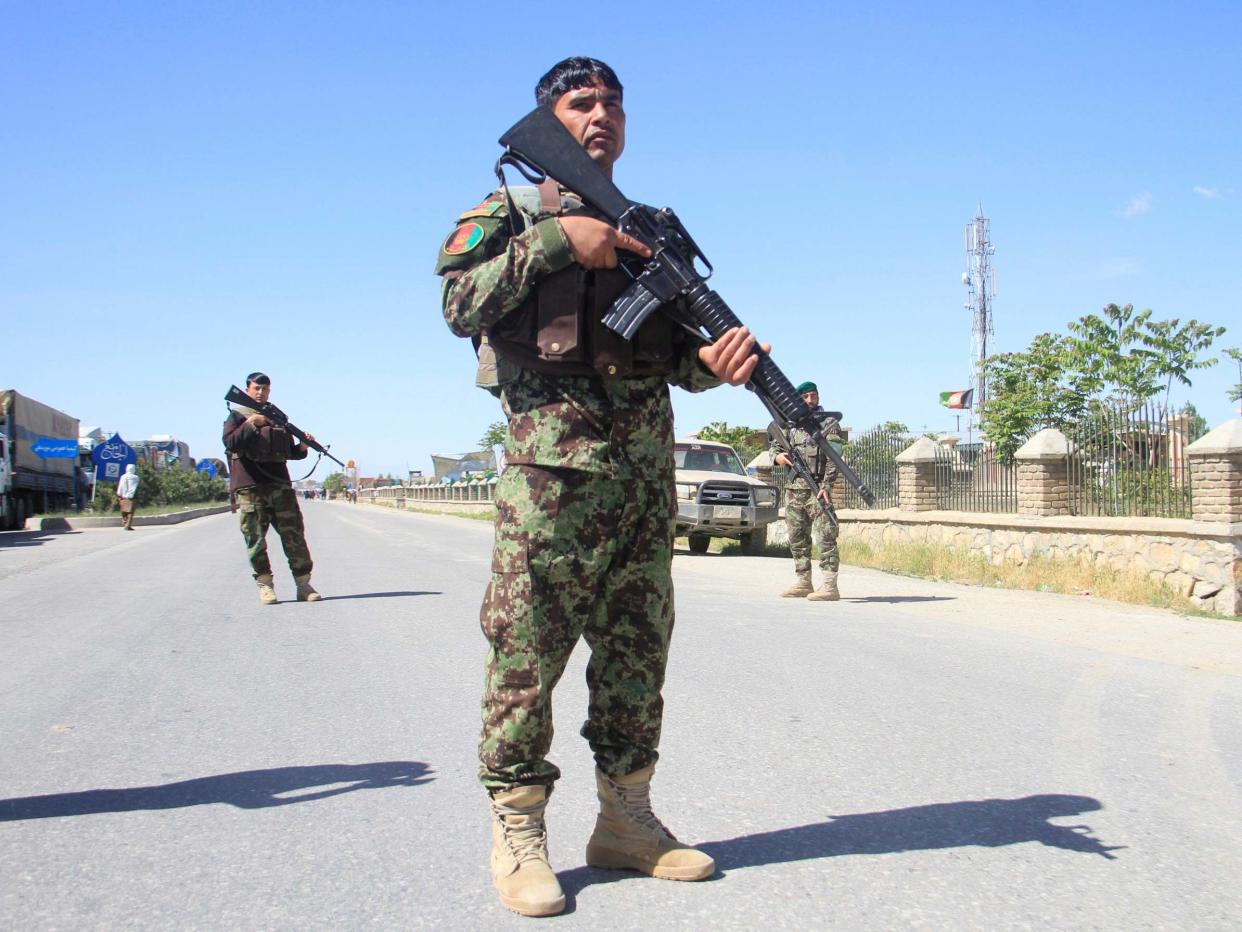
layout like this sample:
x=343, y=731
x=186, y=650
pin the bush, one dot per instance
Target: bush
x=165, y=487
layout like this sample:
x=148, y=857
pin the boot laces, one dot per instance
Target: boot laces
x=636, y=800
x=527, y=839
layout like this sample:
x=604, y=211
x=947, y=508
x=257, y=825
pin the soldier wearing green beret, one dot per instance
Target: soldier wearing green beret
x=803, y=515
x=585, y=505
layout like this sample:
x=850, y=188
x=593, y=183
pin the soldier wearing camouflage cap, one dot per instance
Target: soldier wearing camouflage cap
x=803, y=516
x=258, y=452
x=585, y=506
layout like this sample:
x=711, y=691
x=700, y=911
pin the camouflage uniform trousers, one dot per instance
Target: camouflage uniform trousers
x=803, y=517
x=275, y=505
x=577, y=554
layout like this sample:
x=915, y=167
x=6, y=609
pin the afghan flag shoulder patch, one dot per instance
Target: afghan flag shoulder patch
x=465, y=238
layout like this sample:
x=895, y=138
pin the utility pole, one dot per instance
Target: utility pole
x=980, y=281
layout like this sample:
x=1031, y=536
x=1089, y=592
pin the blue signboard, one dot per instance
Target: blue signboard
x=54, y=448
x=208, y=467
x=111, y=457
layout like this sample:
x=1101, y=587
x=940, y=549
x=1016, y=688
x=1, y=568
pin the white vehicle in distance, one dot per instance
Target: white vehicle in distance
x=716, y=497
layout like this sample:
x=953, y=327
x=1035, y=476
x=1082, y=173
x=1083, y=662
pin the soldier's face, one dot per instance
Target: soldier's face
x=259, y=392
x=594, y=116
x=811, y=398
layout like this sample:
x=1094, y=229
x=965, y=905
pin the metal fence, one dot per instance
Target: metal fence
x=873, y=455
x=1132, y=462
x=973, y=477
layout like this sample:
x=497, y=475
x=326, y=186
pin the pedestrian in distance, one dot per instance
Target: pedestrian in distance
x=804, y=516
x=585, y=504
x=259, y=452
x=126, y=492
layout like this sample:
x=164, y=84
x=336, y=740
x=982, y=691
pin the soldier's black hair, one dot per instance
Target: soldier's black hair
x=571, y=74
x=257, y=378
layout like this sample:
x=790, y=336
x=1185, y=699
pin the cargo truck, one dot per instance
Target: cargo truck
x=29, y=483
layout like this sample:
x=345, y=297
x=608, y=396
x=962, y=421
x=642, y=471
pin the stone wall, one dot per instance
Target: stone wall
x=1199, y=560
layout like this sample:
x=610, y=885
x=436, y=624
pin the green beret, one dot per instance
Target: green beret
x=807, y=387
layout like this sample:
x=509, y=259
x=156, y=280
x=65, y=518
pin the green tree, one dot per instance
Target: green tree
x=1135, y=357
x=493, y=436
x=334, y=482
x=1119, y=356
x=748, y=441
x=1047, y=385
x=1235, y=393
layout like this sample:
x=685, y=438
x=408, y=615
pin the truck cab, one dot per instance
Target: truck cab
x=717, y=498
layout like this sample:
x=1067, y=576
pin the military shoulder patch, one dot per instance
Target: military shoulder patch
x=486, y=209
x=465, y=238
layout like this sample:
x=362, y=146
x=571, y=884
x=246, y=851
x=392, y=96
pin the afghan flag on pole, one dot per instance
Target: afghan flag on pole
x=958, y=399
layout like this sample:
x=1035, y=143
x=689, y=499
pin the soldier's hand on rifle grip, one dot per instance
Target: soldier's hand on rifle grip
x=595, y=244
x=732, y=358
x=782, y=460
x=257, y=420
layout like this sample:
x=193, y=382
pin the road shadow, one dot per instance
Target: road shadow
x=900, y=598
x=31, y=538
x=985, y=823
x=374, y=595
x=248, y=789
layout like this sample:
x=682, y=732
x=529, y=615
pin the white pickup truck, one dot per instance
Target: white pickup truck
x=716, y=497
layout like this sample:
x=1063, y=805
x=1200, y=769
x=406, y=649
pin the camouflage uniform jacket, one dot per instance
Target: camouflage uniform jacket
x=619, y=427
x=821, y=467
x=257, y=455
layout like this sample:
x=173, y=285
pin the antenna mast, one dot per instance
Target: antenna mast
x=980, y=281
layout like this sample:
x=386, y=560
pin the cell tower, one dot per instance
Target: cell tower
x=980, y=281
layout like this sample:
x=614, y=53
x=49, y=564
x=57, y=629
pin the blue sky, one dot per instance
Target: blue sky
x=191, y=191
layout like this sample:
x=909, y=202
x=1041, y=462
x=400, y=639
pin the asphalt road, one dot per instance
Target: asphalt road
x=176, y=755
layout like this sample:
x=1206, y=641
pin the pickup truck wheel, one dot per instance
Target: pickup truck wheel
x=699, y=543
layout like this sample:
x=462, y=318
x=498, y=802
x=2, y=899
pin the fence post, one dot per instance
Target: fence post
x=1216, y=473
x=916, y=476
x=1043, y=474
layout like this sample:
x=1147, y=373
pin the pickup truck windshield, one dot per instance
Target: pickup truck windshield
x=709, y=459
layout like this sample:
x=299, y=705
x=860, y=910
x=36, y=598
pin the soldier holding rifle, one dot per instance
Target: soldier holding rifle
x=258, y=452
x=584, y=527
x=808, y=515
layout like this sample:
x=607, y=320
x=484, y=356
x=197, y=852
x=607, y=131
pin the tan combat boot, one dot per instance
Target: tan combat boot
x=801, y=589
x=628, y=835
x=267, y=595
x=306, y=592
x=827, y=591
x=520, y=868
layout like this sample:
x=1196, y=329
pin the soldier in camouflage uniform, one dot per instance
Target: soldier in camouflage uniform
x=586, y=503
x=258, y=451
x=803, y=515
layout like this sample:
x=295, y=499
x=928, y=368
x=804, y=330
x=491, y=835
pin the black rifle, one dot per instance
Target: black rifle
x=236, y=396
x=540, y=147
x=800, y=468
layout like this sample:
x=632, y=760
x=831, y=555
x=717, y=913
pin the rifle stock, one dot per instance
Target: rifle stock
x=540, y=143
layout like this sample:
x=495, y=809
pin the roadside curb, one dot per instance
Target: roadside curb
x=74, y=524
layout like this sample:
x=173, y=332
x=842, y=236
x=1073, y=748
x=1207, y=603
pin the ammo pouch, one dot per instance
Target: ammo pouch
x=559, y=329
x=271, y=445
x=495, y=371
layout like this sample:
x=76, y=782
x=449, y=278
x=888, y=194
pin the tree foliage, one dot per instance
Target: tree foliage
x=493, y=436
x=1235, y=393
x=748, y=441
x=1118, y=357
x=166, y=487
x=334, y=482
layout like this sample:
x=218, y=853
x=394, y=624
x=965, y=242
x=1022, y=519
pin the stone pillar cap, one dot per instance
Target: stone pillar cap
x=922, y=450
x=1225, y=439
x=1048, y=444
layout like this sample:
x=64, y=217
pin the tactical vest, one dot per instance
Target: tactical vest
x=559, y=328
